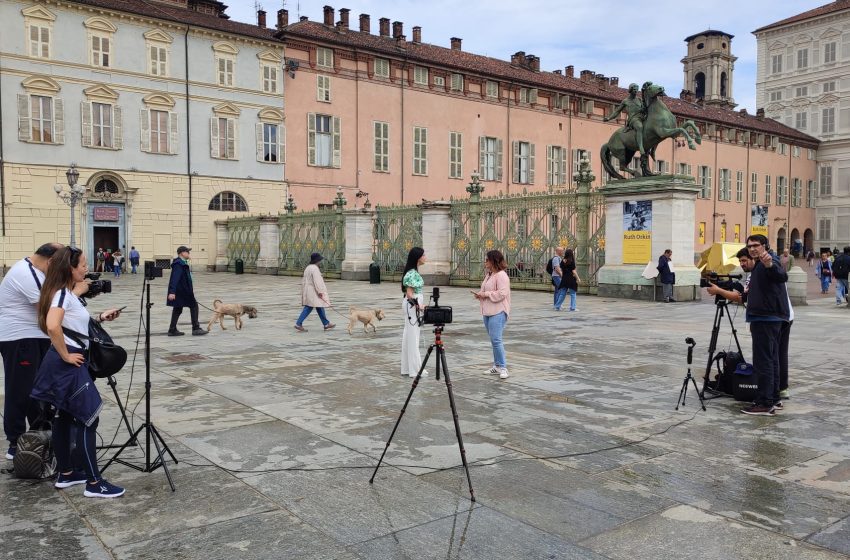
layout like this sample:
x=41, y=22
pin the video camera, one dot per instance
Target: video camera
x=434, y=314
x=97, y=286
x=725, y=281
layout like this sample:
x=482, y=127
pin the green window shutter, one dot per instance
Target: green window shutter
x=550, y=160
x=516, y=160
x=311, y=138
x=482, y=154
x=499, y=155
x=531, y=164
x=562, y=180
x=337, y=141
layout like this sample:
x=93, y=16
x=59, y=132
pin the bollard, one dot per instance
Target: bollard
x=239, y=266
x=374, y=273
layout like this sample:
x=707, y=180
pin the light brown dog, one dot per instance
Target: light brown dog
x=365, y=316
x=235, y=310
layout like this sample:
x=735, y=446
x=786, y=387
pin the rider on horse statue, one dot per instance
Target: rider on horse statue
x=635, y=108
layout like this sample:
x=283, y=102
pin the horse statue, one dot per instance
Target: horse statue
x=659, y=124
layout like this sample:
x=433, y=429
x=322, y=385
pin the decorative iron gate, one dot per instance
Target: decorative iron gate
x=321, y=231
x=397, y=229
x=243, y=243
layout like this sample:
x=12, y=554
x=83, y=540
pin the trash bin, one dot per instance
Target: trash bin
x=239, y=266
x=374, y=274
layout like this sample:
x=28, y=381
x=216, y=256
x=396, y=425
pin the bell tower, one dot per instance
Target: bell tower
x=708, y=68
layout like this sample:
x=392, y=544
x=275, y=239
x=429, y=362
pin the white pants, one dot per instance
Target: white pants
x=411, y=359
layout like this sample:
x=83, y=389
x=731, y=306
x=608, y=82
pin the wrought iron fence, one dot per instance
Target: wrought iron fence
x=304, y=233
x=243, y=242
x=397, y=229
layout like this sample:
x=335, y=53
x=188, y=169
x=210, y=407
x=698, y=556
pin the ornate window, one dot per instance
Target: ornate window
x=41, y=114
x=228, y=201
x=270, y=136
x=38, y=22
x=224, y=132
x=225, y=62
x=159, y=125
x=270, y=64
x=100, y=40
x=158, y=46
x=324, y=140
x=106, y=187
x=102, y=120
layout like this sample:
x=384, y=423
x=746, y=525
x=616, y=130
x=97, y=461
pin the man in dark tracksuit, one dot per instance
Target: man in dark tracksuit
x=181, y=293
x=767, y=309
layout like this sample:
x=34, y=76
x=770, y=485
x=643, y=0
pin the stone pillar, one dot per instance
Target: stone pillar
x=269, y=258
x=673, y=227
x=359, y=244
x=797, y=280
x=584, y=179
x=437, y=242
x=221, y=239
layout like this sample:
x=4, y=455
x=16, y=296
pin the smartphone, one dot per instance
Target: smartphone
x=121, y=309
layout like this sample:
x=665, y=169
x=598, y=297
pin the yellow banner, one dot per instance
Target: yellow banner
x=737, y=233
x=702, y=232
x=637, y=247
x=723, y=232
x=756, y=230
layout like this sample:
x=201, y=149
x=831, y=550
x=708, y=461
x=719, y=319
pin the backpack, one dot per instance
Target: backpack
x=841, y=267
x=34, y=458
x=549, y=266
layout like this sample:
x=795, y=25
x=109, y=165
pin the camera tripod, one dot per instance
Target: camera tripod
x=684, y=392
x=721, y=310
x=441, y=361
x=151, y=433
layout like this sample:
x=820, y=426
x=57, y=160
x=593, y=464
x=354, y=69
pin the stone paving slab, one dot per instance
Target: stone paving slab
x=277, y=434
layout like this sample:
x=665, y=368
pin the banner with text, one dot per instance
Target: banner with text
x=758, y=215
x=637, y=232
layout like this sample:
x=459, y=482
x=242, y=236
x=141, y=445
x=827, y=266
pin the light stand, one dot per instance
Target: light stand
x=151, y=433
x=684, y=392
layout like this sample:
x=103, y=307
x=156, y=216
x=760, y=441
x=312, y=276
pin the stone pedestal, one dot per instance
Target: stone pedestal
x=221, y=239
x=359, y=228
x=797, y=280
x=673, y=227
x=437, y=242
x=268, y=260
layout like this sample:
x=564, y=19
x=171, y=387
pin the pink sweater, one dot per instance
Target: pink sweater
x=496, y=292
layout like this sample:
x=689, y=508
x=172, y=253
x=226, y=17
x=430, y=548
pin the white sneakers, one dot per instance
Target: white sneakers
x=501, y=372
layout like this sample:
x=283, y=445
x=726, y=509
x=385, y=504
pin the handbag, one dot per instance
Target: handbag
x=105, y=358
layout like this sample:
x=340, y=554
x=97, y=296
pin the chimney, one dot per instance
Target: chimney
x=615, y=81
x=456, y=43
x=517, y=59
x=365, y=23
x=760, y=113
x=417, y=34
x=570, y=71
x=743, y=112
x=558, y=72
x=343, y=17
x=587, y=75
x=282, y=18
x=384, y=27
x=533, y=62
x=303, y=18
x=261, y=19
x=398, y=29
x=329, y=16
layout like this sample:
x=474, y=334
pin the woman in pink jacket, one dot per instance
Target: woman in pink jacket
x=495, y=300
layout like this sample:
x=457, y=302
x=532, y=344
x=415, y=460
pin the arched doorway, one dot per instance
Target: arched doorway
x=106, y=214
x=780, y=240
x=699, y=85
x=796, y=243
x=808, y=241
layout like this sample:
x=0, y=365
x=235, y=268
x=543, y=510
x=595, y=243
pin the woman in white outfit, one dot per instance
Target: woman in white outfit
x=411, y=285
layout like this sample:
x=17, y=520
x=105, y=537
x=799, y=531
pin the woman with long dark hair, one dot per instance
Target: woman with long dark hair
x=63, y=379
x=413, y=301
x=569, y=277
x=495, y=299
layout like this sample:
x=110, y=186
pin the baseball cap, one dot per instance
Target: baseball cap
x=183, y=248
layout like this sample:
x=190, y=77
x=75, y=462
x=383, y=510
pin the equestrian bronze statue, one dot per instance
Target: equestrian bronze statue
x=650, y=122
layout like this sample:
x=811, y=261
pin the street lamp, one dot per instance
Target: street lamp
x=71, y=197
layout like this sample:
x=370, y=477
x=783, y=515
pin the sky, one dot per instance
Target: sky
x=636, y=41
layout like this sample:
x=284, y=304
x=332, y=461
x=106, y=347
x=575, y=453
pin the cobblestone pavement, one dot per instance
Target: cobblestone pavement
x=579, y=454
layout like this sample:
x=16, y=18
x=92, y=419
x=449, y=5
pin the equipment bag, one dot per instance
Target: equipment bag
x=105, y=358
x=549, y=266
x=34, y=458
x=726, y=377
x=745, y=383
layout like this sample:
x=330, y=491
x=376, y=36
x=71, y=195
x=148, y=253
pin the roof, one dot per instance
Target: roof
x=430, y=55
x=182, y=16
x=708, y=33
x=831, y=8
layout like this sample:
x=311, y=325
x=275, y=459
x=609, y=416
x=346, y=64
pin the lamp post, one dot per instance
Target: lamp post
x=71, y=197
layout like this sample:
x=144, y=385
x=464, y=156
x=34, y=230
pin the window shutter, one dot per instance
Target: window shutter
x=532, y=95
x=258, y=135
x=85, y=113
x=24, y=128
x=145, y=128
x=337, y=140
x=482, y=155
x=311, y=138
x=58, y=121
x=117, y=128
x=214, y=138
x=232, y=141
x=499, y=159
x=281, y=143
x=515, y=150
x=550, y=179
x=562, y=156
x=531, y=164
x=174, y=130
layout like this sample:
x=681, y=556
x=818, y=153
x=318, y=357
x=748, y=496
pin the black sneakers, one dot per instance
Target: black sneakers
x=757, y=410
x=198, y=332
x=175, y=332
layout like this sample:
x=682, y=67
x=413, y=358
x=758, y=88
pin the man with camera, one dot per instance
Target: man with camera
x=768, y=312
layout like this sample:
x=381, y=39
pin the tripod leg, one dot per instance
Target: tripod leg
x=701, y=400
x=112, y=383
x=164, y=445
x=160, y=460
x=403, y=409
x=441, y=358
x=133, y=439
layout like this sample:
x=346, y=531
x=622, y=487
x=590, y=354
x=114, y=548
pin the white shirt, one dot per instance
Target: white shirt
x=19, y=295
x=76, y=317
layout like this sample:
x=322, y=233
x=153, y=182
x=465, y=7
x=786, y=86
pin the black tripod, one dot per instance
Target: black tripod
x=684, y=392
x=721, y=310
x=441, y=361
x=151, y=433
x=112, y=383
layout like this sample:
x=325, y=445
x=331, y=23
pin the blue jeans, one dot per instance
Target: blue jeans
x=306, y=311
x=840, y=290
x=572, y=298
x=495, y=324
x=556, y=281
x=825, y=281
x=117, y=271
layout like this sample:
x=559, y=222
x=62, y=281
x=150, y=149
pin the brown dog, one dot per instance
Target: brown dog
x=365, y=316
x=235, y=310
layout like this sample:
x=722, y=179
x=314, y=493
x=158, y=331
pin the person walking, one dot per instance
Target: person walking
x=412, y=302
x=181, y=293
x=134, y=260
x=100, y=257
x=117, y=263
x=823, y=270
x=314, y=294
x=107, y=260
x=63, y=378
x=22, y=344
x=666, y=276
x=569, y=278
x=810, y=257
x=841, y=270
x=555, y=263
x=495, y=299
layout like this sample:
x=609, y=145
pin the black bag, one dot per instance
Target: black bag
x=549, y=266
x=745, y=383
x=725, y=380
x=841, y=267
x=34, y=458
x=105, y=358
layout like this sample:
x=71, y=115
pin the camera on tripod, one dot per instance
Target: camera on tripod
x=725, y=281
x=436, y=315
x=97, y=286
